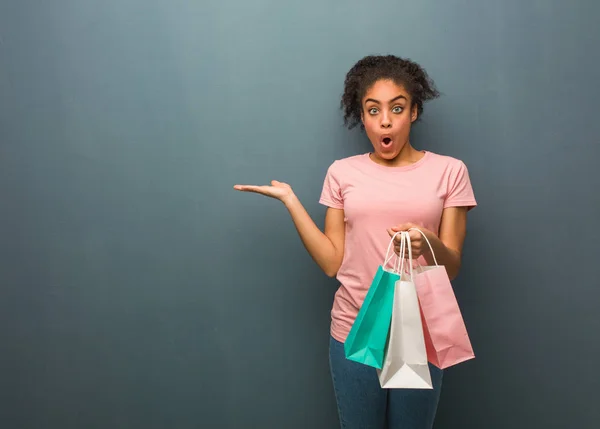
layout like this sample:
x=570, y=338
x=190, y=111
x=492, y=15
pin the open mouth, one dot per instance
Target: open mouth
x=386, y=142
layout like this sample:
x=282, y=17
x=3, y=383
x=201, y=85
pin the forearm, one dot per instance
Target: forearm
x=318, y=245
x=449, y=258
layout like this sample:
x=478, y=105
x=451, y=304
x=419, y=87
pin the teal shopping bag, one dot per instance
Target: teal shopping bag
x=368, y=336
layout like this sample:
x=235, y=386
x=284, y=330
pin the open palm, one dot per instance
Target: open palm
x=278, y=190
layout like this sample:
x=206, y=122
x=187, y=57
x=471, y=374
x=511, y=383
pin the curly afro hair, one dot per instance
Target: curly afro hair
x=372, y=68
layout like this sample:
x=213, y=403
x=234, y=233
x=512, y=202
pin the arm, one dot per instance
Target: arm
x=447, y=247
x=448, y=244
x=326, y=248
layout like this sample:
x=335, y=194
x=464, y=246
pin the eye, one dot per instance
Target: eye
x=373, y=110
x=397, y=109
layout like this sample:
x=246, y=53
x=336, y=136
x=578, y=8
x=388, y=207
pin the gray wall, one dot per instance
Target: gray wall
x=138, y=290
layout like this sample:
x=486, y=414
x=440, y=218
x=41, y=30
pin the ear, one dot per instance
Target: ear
x=362, y=116
x=413, y=113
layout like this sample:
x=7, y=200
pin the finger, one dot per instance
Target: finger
x=248, y=188
x=264, y=190
x=404, y=227
x=243, y=188
x=398, y=249
x=415, y=236
x=398, y=237
x=279, y=184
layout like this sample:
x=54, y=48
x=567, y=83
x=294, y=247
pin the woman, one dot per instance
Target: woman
x=370, y=197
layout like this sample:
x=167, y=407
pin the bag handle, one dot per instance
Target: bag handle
x=428, y=243
x=388, y=258
x=400, y=260
x=403, y=246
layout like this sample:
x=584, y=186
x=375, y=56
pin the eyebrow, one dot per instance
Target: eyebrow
x=392, y=100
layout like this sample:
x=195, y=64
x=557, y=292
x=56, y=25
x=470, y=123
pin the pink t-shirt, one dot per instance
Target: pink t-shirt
x=374, y=198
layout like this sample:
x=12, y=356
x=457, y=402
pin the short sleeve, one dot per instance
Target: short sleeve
x=331, y=195
x=460, y=192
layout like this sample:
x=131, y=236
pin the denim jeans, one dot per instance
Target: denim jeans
x=363, y=404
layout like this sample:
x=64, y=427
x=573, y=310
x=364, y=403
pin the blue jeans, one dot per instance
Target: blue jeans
x=363, y=404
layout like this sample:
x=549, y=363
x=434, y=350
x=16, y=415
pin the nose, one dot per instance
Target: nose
x=385, y=120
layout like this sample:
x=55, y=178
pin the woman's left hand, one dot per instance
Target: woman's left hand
x=418, y=244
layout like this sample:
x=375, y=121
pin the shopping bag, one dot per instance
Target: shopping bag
x=446, y=336
x=405, y=365
x=367, y=338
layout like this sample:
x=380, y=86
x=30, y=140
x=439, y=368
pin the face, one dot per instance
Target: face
x=387, y=116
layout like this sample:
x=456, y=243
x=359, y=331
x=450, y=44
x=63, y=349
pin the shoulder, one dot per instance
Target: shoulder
x=350, y=161
x=447, y=168
x=454, y=178
x=345, y=166
x=340, y=174
x=446, y=162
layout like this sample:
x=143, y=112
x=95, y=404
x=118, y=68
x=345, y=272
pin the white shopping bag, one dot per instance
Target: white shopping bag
x=405, y=365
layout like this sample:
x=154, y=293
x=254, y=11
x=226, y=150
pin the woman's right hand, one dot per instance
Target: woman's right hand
x=278, y=190
x=326, y=248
